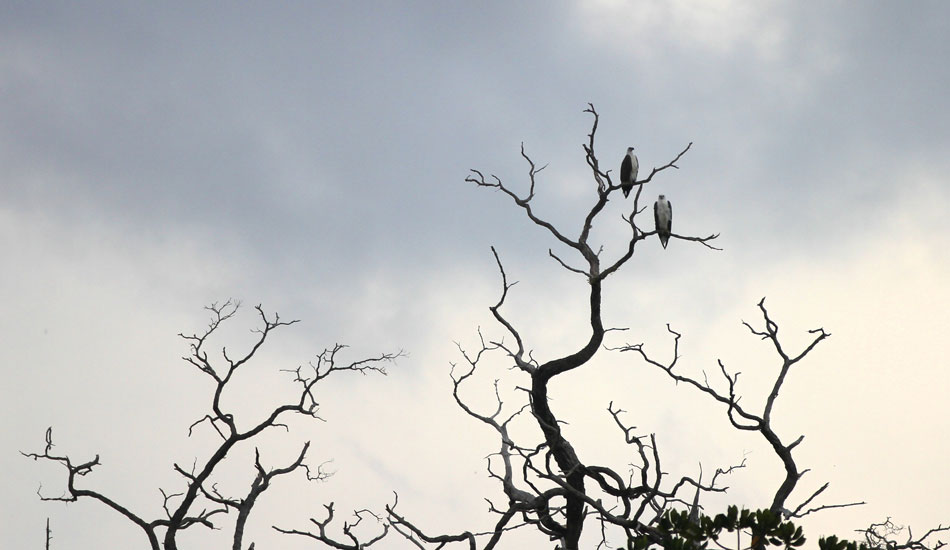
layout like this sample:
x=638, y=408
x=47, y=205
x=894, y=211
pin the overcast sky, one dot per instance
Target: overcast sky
x=157, y=157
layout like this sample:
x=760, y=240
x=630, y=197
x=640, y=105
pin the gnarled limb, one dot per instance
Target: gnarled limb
x=885, y=535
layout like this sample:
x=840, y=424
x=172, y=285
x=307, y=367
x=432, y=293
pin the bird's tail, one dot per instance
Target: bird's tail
x=626, y=190
x=664, y=240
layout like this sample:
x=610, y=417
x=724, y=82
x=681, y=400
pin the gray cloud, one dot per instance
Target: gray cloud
x=156, y=157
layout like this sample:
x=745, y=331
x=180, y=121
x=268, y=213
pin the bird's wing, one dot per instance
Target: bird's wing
x=656, y=215
x=669, y=216
x=625, y=168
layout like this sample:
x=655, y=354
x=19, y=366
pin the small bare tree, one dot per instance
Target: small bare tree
x=200, y=503
x=546, y=482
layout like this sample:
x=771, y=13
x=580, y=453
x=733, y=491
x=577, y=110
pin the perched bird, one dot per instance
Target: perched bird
x=694, y=511
x=628, y=171
x=663, y=216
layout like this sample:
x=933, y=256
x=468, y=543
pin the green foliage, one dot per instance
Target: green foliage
x=832, y=543
x=763, y=528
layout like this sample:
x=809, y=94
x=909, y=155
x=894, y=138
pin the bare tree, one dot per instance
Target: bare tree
x=200, y=503
x=546, y=483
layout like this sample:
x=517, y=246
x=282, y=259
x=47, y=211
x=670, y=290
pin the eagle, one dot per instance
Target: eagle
x=628, y=171
x=663, y=216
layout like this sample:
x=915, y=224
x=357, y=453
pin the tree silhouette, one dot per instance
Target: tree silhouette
x=200, y=503
x=546, y=482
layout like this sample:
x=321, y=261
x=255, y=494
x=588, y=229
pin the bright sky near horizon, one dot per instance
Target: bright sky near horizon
x=310, y=157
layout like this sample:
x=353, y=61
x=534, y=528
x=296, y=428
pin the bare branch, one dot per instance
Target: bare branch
x=884, y=535
x=348, y=530
x=73, y=493
x=567, y=267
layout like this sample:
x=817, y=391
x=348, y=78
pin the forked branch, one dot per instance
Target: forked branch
x=742, y=418
x=353, y=539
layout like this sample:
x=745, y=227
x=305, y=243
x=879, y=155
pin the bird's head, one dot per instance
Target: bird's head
x=629, y=149
x=662, y=197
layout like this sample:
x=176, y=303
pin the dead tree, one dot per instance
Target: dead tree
x=200, y=503
x=546, y=482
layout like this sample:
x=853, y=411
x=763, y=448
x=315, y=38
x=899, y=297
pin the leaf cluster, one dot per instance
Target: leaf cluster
x=681, y=531
x=833, y=543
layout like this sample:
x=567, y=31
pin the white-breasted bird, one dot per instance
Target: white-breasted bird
x=663, y=216
x=628, y=171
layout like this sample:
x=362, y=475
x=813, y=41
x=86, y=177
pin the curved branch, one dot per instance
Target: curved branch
x=761, y=423
x=74, y=493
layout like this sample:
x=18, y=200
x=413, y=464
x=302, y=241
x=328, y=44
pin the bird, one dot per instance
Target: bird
x=663, y=216
x=628, y=171
x=694, y=511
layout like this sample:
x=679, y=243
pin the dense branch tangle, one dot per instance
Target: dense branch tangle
x=560, y=507
x=201, y=501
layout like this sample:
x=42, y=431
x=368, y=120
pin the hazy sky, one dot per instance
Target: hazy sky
x=157, y=157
